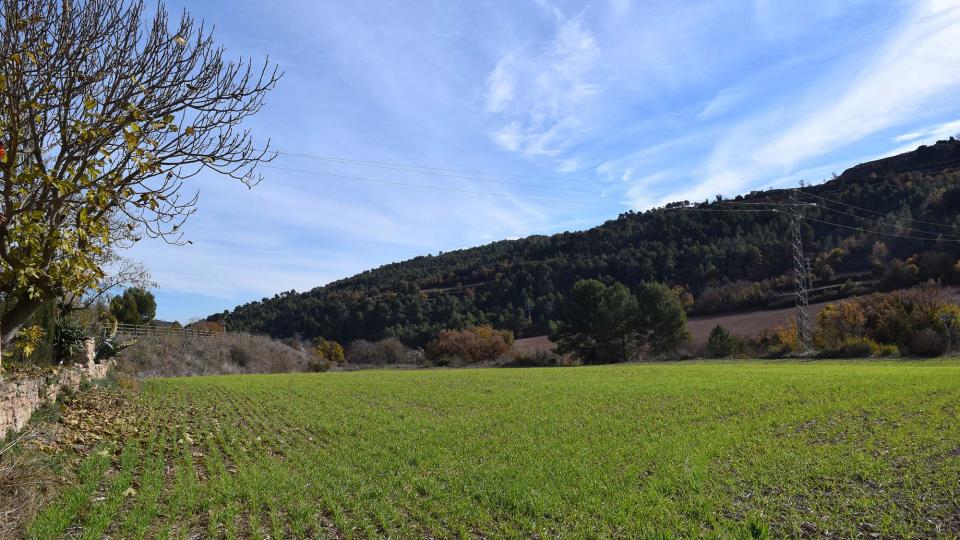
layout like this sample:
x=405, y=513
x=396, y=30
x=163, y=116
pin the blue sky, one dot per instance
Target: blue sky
x=604, y=106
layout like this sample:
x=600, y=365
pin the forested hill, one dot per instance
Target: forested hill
x=884, y=224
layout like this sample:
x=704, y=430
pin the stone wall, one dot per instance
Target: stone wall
x=20, y=398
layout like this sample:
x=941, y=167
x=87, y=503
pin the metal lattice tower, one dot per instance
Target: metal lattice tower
x=801, y=278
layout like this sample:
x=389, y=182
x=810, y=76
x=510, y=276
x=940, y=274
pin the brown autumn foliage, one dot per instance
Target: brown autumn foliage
x=920, y=320
x=474, y=344
x=838, y=323
x=208, y=326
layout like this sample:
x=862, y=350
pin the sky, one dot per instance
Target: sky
x=484, y=120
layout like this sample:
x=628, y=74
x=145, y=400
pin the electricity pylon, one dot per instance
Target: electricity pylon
x=801, y=278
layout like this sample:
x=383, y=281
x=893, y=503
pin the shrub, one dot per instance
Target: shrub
x=948, y=321
x=721, y=343
x=854, y=347
x=839, y=324
x=108, y=349
x=68, y=339
x=534, y=358
x=389, y=351
x=888, y=317
x=787, y=337
x=240, y=356
x=318, y=365
x=28, y=340
x=178, y=355
x=124, y=381
x=474, y=344
x=885, y=350
x=732, y=297
x=329, y=350
x=394, y=352
x=928, y=342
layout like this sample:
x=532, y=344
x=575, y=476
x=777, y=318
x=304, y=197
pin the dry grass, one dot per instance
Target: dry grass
x=26, y=481
x=179, y=356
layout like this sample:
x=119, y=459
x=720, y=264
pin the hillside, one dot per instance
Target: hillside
x=880, y=225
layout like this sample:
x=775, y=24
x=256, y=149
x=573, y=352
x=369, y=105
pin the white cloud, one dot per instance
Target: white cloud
x=510, y=137
x=537, y=96
x=907, y=74
x=930, y=134
x=500, y=86
x=909, y=71
x=725, y=100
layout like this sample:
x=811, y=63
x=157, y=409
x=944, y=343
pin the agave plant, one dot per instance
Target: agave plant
x=68, y=339
x=109, y=346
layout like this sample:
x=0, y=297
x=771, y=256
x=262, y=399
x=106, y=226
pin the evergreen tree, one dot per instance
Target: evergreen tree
x=134, y=306
x=608, y=324
x=661, y=323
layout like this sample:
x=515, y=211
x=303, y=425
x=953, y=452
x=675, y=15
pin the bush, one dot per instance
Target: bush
x=839, y=324
x=948, y=320
x=28, y=340
x=318, y=365
x=329, y=350
x=474, y=344
x=928, y=343
x=786, y=338
x=854, y=347
x=68, y=339
x=240, y=356
x=534, y=358
x=732, y=296
x=178, y=355
x=721, y=343
x=124, y=381
x=885, y=350
x=888, y=317
x=388, y=351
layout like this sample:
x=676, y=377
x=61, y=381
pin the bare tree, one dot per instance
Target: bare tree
x=105, y=111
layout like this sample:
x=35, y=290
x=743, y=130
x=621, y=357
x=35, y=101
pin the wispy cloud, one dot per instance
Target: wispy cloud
x=656, y=101
x=860, y=97
x=537, y=95
x=931, y=133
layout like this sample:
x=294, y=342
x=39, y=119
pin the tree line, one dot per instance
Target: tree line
x=715, y=261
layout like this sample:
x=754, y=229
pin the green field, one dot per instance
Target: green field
x=702, y=449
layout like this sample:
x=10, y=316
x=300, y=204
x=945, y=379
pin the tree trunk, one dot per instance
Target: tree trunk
x=16, y=317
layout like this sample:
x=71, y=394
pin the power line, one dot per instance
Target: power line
x=386, y=164
x=742, y=210
x=827, y=208
x=462, y=177
x=436, y=188
x=881, y=232
x=749, y=203
x=879, y=213
x=950, y=238
x=886, y=224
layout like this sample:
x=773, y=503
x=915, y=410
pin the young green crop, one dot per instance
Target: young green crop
x=698, y=449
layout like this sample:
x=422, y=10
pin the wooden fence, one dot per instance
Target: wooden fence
x=143, y=330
